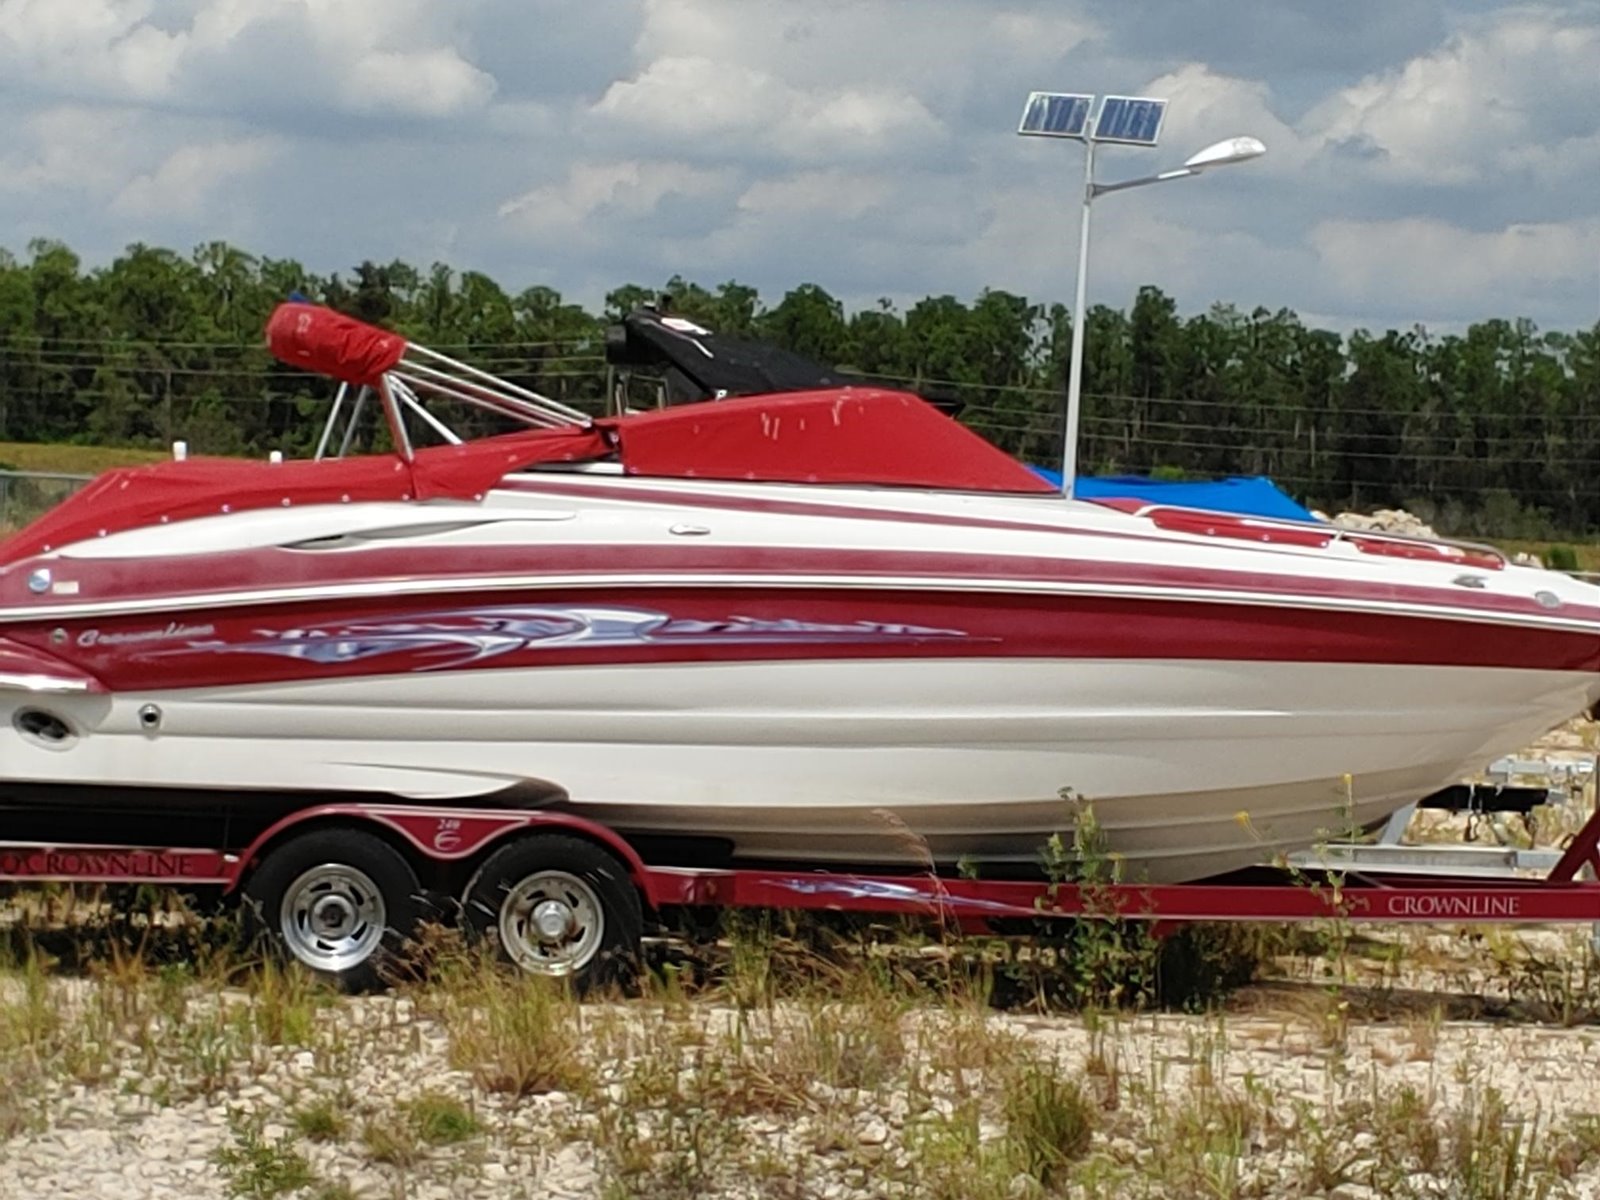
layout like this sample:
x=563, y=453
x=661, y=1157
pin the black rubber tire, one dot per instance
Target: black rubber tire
x=614, y=959
x=393, y=880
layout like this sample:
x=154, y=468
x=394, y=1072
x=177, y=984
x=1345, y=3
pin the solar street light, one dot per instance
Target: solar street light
x=1122, y=120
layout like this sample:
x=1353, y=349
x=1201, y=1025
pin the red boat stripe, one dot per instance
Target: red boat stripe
x=400, y=635
x=277, y=573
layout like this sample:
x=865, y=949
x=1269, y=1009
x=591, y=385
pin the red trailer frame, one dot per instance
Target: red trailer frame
x=459, y=837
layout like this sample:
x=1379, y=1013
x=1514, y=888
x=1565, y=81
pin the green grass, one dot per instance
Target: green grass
x=73, y=460
x=441, y=1120
x=320, y=1121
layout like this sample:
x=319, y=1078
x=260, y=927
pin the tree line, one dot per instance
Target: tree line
x=1495, y=430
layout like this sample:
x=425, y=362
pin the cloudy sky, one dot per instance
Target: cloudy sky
x=1428, y=161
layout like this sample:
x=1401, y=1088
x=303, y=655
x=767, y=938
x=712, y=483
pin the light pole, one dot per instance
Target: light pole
x=1127, y=120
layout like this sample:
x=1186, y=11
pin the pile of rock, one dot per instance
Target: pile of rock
x=1385, y=520
x=1398, y=520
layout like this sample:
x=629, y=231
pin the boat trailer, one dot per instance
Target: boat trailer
x=340, y=887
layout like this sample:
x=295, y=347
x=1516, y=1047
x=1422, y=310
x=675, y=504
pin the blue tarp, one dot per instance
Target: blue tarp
x=1255, y=496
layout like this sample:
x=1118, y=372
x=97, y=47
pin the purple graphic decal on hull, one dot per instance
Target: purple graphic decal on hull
x=463, y=636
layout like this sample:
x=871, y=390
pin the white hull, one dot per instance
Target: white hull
x=1194, y=767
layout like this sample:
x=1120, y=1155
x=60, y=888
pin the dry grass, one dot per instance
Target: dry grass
x=789, y=1065
x=514, y=1035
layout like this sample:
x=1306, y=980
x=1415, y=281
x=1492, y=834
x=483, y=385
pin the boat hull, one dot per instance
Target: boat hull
x=1193, y=767
x=802, y=675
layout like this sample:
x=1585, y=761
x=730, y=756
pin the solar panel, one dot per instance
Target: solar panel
x=1055, y=114
x=1133, y=120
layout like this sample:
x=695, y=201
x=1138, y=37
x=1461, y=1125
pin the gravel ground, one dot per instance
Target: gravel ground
x=178, y=1090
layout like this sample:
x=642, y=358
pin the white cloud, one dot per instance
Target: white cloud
x=120, y=161
x=595, y=192
x=937, y=49
x=87, y=48
x=183, y=182
x=835, y=194
x=832, y=79
x=354, y=56
x=73, y=148
x=253, y=57
x=700, y=98
x=1508, y=89
x=1207, y=107
x=1429, y=263
x=695, y=95
x=1030, y=246
x=435, y=82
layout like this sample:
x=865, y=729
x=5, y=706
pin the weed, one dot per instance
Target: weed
x=749, y=979
x=1408, y=1136
x=672, y=1151
x=1049, y=1121
x=257, y=1168
x=1423, y=1034
x=1329, y=1153
x=1578, y=1148
x=950, y=1160
x=515, y=1033
x=320, y=1121
x=1492, y=1154
x=283, y=1004
x=1563, y=988
x=857, y=1045
x=390, y=1140
x=442, y=1120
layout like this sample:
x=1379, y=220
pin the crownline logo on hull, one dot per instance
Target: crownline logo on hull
x=168, y=632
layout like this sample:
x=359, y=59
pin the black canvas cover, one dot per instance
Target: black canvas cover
x=699, y=364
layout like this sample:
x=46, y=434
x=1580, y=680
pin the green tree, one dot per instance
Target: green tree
x=808, y=321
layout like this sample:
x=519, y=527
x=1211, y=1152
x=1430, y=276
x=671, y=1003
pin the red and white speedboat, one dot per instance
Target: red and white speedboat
x=829, y=626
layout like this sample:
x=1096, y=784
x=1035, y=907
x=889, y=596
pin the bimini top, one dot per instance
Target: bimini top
x=843, y=436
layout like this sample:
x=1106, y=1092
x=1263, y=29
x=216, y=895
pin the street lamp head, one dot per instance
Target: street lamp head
x=1239, y=149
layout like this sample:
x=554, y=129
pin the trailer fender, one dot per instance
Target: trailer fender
x=449, y=835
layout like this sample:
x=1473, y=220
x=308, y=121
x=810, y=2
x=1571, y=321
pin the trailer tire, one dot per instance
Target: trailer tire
x=341, y=902
x=558, y=906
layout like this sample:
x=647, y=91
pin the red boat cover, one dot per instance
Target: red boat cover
x=330, y=343
x=845, y=436
x=842, y=435
x=201, y=487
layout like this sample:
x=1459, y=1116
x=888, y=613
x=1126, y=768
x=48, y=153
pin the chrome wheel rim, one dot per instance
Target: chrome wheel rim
x=333, y=917
x=551, y=923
